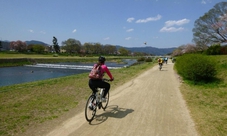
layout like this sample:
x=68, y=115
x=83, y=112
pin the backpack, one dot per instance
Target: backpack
x=96, y=72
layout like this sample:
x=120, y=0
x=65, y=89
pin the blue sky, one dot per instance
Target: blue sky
x=129, y=23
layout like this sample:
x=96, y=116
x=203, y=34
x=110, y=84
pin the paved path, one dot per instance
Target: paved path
x=149, y=105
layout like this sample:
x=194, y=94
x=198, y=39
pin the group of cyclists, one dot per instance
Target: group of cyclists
x=162, y=60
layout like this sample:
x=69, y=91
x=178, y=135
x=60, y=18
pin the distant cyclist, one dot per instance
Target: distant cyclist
x=160, y=61
x=99, y=83
x=166, y=60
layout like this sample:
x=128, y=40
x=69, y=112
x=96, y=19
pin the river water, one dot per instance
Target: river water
x=29, y=73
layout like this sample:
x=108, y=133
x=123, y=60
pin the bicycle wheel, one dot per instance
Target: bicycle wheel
x=105, y=104
x=90, y=113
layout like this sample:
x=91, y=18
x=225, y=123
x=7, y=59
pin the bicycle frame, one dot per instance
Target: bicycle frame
x=96, y=101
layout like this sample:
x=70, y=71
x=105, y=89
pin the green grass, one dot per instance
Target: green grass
x=29, y=104
x=208, y=102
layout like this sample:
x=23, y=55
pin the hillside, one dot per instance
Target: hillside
x=35, y=42
x=152, y=50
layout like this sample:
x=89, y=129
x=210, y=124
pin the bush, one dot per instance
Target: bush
x=55, y=55
x=141, y=59
x=196, y=67
x=149, y=59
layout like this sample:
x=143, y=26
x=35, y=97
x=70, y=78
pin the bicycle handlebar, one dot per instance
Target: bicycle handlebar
x=105, y=79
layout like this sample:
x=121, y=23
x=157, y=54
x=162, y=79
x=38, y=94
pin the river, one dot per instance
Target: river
x=29, y=73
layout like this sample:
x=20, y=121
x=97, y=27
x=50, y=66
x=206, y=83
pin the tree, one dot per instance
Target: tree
x=190, y=48
x=38, y=48
x=179, y=51
x=18, y=46
x=223, y=50
x=88, y=47
x=55, y=44
x=0, y=45
x=71, y=46
x=109, y=49
x=211, y=28
x=123, y=51
x=98, y=48
x=214, y=49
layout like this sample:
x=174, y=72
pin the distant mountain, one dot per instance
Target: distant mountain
x=152, y=50
x=35, y=42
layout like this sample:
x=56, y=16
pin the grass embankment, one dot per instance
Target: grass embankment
x=26, y=105
x=208, y=102
x=16, y=59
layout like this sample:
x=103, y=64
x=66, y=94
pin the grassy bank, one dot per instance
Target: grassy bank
x=208, y=102
x=26, y=105
x=15, y=59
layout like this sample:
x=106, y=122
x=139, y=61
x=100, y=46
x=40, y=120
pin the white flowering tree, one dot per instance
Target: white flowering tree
x=211, y=28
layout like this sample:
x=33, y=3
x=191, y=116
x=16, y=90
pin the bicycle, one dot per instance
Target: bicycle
x=160, y=66
x=95, y=101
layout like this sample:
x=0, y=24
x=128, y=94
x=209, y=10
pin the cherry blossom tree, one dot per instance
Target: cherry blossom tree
x=211, y=28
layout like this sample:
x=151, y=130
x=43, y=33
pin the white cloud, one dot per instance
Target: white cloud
x=171, y=29
x=107, y=38
x=74, y=31
x=179, y=22
x=158, y=17
x=42, y=32
x=169, y=25
x=130, y=19
x=130, y=30
x=128, y=38
x=205, y=1
x=31, y=31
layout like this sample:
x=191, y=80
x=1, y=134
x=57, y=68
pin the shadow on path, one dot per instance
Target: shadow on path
x=112, y=111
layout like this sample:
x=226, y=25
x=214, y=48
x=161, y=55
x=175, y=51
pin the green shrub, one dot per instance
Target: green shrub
x=149, y=59
x=196, y=67
x=214, y=49
x=55, y=55
x=141, y=59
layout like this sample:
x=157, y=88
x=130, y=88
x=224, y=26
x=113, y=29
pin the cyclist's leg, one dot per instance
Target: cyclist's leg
x=93, y=85
x=107, y=88
x=101, y=84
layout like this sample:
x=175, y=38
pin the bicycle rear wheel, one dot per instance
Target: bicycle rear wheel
x=105, y=104
x=90, y=112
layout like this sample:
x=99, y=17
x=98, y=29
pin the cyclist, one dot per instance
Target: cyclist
x=99, y=83
x=160, y=61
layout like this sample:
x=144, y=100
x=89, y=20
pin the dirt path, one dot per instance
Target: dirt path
x=150, y=105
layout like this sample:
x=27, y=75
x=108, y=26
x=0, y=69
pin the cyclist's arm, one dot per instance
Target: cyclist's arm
x=107, y=71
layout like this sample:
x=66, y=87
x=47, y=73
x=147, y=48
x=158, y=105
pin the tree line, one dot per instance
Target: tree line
x=73, y=47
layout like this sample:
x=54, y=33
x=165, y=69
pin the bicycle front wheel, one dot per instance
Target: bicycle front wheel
x=105, y=104
x=90, y=109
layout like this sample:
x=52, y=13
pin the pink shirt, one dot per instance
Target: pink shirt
x=104, y=69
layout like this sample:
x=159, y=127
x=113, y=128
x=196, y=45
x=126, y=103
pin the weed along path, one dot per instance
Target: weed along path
x=149, y=105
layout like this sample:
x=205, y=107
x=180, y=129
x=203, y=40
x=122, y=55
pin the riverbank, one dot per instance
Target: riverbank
x=11, y=62
x=28, y=105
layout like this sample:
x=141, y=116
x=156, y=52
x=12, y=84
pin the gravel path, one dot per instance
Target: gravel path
x=149, y=105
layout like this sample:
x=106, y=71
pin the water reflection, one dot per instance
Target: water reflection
x=22, y=74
